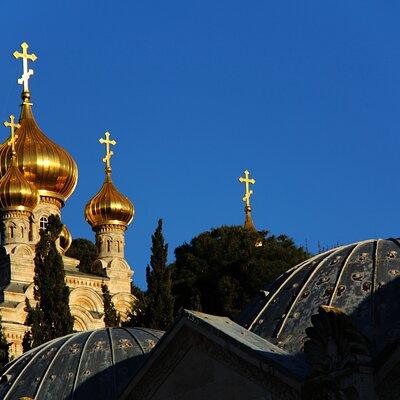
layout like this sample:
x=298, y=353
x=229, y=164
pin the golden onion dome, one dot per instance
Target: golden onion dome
x=44, y=164
x=65, y=239
x=16, y=193
x=109, y=206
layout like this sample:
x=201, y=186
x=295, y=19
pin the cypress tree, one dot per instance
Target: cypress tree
x=159, y=302
x=4, y=346
x=51, y=317
x=111, y=317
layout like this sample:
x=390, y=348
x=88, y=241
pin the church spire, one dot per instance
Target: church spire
x=26, y=71
x=246, y=198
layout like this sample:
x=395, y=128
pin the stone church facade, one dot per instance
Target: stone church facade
x=37, y=178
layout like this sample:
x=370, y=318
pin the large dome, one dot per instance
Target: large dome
x=360, y=279
x=44, y=164
x=86, y=365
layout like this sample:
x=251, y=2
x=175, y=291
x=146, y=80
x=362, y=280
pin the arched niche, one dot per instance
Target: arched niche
x=87, y=298
x=123, y=304
x=22, y=250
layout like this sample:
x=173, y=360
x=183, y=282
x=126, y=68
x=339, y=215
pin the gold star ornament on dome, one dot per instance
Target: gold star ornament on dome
x=109, y=152
x=26, y=72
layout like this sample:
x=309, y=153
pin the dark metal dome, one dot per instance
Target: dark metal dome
x=361, y=279
x=85, y=365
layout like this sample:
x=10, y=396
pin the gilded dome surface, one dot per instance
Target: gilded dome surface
x=109, y=206
x=85, y=365
x=361, y=279
x=44, y=164
x=16, y=193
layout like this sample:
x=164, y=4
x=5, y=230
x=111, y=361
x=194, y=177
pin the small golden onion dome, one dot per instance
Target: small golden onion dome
x=65, y=239
x=109, y=206
x=16, y=193
x=44, y=164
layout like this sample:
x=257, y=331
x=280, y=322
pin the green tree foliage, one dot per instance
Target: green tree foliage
x=111, y=317
x=4, y=346
x=137, y=316
x=221, y=270
x=85, y=251
x=51, y=317
x=159, y=302
x=154, y=308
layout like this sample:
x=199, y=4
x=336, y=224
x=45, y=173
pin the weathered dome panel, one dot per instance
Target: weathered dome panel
x=359, y=278
x=92, y=364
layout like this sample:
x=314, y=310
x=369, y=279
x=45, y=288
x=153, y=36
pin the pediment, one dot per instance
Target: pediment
x=201, y=360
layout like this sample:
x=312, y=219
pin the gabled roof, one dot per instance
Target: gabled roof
x=245, y=349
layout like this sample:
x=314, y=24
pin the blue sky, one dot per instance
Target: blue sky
x=306, y=95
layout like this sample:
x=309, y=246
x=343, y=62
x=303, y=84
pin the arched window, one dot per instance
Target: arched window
x=108, y=245
x=22, y=232
x=43, y=223
x=11, y=232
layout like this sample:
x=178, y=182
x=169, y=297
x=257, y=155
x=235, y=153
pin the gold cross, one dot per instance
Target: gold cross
x=26, y=72
x=247, y=181
x=13, y=136
x=109, y=153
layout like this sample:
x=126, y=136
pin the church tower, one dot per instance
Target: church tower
x=109, y=213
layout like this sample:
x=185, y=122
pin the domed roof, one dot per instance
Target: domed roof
x=109, y=206
x=361, y=279
x=44, y=164
x=16, y=193
x=85, y=365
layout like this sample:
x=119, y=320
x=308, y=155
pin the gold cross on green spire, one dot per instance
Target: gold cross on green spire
x=247, y=182
x=26, y=71
x=109, y=153
x=13, y=137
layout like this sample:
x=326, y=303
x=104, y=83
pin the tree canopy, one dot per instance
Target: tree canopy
x=85, y=251
x=111, y=316
x=221, y=270
x=154, y=308
x=51, y=317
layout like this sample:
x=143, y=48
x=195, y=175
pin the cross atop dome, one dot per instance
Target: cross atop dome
x=26, y=72
x=109, y=152
x=246, y=198
x=13, y=137
x=247, y=182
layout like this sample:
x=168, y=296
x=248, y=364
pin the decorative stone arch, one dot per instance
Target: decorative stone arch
x=20, y=313
x=123, y=304
x=119, y=268
x=86, y=298
x=22, y=250
x=29, y=292
x=11, y=229
x=83, y=319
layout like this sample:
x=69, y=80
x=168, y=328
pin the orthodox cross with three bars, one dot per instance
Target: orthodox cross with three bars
x=247, y=182
x=13, y=137
x=109, y=153
x=26, y=71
